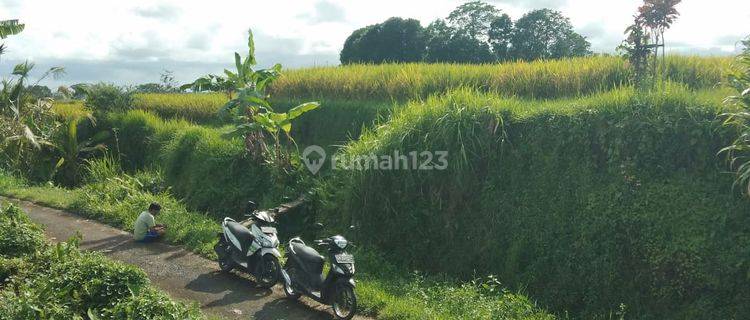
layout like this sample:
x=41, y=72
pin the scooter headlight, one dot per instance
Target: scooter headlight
x=341, y=243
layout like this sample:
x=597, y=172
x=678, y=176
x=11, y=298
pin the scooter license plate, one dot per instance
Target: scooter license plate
x=344, y=258
x=268, y=229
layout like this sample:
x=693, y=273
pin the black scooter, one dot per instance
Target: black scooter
x=303, y=274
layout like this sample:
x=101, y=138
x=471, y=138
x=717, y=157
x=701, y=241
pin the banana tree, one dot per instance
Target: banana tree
x=249, y=106
x=70, y=150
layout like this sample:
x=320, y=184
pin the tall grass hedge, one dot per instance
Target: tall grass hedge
x=210, y=172
x=585, y=204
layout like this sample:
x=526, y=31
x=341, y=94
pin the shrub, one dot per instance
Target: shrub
x=18, y=237
x=567, y=199
x=104, y=98
x=151, y=304
x=140, y=136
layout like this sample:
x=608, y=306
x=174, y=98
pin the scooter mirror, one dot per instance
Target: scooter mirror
x=251, y=206
x=318, y=226
x=352, y=228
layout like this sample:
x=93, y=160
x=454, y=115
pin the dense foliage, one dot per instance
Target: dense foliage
x=475, y=32
x=42, y=281
x=395, y=40
x=568, y=199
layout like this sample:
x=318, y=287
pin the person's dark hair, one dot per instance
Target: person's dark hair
x=154, y=207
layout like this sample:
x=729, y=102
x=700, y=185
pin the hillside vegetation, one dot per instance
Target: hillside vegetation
x=563, y=182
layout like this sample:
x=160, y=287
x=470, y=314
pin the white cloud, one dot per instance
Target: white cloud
x=198, y=35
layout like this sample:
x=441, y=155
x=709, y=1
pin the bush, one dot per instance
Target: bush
x=104, y=98
x=567, y=199
x=18, y=236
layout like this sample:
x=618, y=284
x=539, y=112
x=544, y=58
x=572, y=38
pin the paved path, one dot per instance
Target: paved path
x=182, y=274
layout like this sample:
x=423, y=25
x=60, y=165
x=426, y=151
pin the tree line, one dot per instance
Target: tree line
x=475, y=32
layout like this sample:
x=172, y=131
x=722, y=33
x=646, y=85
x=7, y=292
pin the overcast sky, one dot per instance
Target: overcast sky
x=129, y=42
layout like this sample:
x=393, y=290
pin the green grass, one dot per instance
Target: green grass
x=48, y=195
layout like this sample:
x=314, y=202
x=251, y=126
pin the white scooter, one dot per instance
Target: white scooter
x=253, y=250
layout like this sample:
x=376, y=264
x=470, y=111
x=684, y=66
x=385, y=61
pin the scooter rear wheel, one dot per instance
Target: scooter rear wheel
x=224, y=257
x=288, y=289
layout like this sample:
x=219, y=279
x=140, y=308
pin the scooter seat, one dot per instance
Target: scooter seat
x=311, y=258
x=241, y=233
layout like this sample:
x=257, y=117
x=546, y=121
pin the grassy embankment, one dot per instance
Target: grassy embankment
x=587, y=204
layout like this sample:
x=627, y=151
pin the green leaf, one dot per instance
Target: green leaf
x=250, y=47
x=277, y=117
x=300, y=109
x=59, y=163
x=238, y=64
x=286, y=125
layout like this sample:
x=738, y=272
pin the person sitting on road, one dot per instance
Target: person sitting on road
x=146, y=229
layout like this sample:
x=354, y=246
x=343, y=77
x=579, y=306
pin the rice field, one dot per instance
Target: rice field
x=535, y=80
x=196, y=107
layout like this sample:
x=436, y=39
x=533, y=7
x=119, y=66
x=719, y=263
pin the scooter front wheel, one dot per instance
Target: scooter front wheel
x=268, y=271
x=344, y=301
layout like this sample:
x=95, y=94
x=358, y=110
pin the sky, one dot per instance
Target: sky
x=131, y=42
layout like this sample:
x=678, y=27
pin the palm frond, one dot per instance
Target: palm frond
x=10, y=27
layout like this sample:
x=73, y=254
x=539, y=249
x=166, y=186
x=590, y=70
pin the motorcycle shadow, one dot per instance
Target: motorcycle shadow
x=240, y=292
